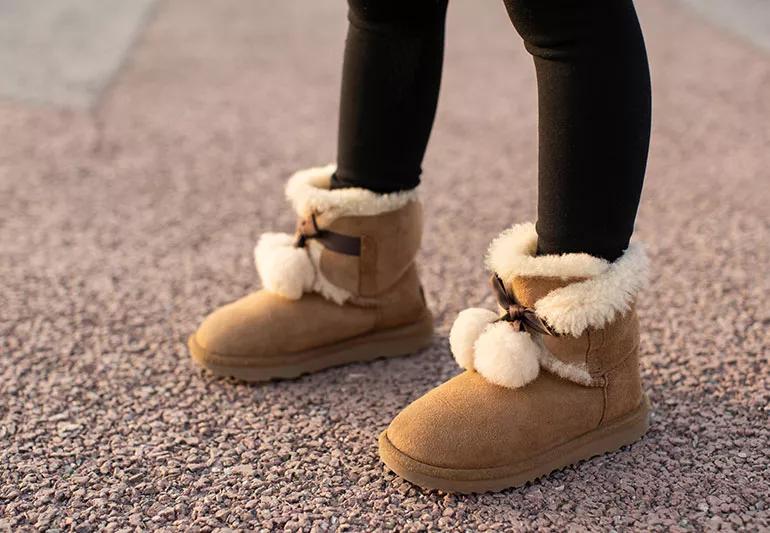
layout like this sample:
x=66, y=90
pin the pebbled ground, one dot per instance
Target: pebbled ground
x=122, y=226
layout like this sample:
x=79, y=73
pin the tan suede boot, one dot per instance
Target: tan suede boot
x=553, y=380
x=343, y=289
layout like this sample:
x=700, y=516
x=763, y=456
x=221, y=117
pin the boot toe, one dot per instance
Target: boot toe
x=230, y=331
x=265, y=328
x=450, y=427
x=470, y=423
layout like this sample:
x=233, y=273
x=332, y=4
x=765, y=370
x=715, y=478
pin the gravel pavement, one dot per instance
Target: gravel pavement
x=123, y=225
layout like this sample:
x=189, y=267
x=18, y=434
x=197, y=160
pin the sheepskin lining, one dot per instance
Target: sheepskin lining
x=577, y=373
x=308, y=191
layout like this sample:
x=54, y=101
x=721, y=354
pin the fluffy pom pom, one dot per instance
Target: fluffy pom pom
x=466, y=329
x=506, y=357
x=284, y=269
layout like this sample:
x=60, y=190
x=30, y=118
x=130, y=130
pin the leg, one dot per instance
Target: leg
x=594, y=105
x=540, y=392
x=344, y=288
x=390, y=85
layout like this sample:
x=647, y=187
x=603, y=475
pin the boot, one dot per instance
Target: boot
x=551, y=379
x=343, y=289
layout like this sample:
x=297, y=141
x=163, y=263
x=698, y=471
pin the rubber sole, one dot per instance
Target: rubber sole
x=602, y=440
x=394, y=342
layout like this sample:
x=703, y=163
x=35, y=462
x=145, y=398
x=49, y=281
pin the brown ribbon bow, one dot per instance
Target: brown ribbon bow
x=307, y=228
x=521, y=318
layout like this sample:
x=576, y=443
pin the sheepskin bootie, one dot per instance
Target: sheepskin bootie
x=343, y=289
x=550, y=380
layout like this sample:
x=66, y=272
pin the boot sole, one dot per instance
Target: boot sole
x=393, y=342
x=604, y=439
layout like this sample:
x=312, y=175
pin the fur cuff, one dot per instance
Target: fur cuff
x=608, y=289
x=308, y=191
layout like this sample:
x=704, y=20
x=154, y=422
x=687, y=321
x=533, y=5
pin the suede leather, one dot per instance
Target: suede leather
x=612, y=343
x=261, y=327
x=401, y=304
x=530, y=289
x=389, y=243
x=623, y=388
x=265, y=325
x=469, y=423
x=342, y=270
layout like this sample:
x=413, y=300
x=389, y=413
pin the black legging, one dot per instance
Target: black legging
x=594, y=109
x=390, y=84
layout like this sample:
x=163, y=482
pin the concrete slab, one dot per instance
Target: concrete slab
x=748, y=18
x=121, y=228
x=65, y=51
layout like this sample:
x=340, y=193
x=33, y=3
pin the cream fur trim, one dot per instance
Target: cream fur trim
x=467, y=327
x=308, y=191
x=569, y=371
x=506, y=357
x=283, y=269
x=290, y=272
x=596, y=302
x=512, y=254
x=609, y=290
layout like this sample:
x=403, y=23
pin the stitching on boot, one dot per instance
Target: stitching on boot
x=593, y=357
x=379, y=302
x=623, y=359
x=587, y=355
x=605, y=401
x=367, y=285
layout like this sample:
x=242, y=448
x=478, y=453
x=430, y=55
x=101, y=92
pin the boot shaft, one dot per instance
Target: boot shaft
x=388, y=246
x=606, y=357
x=598, y=349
